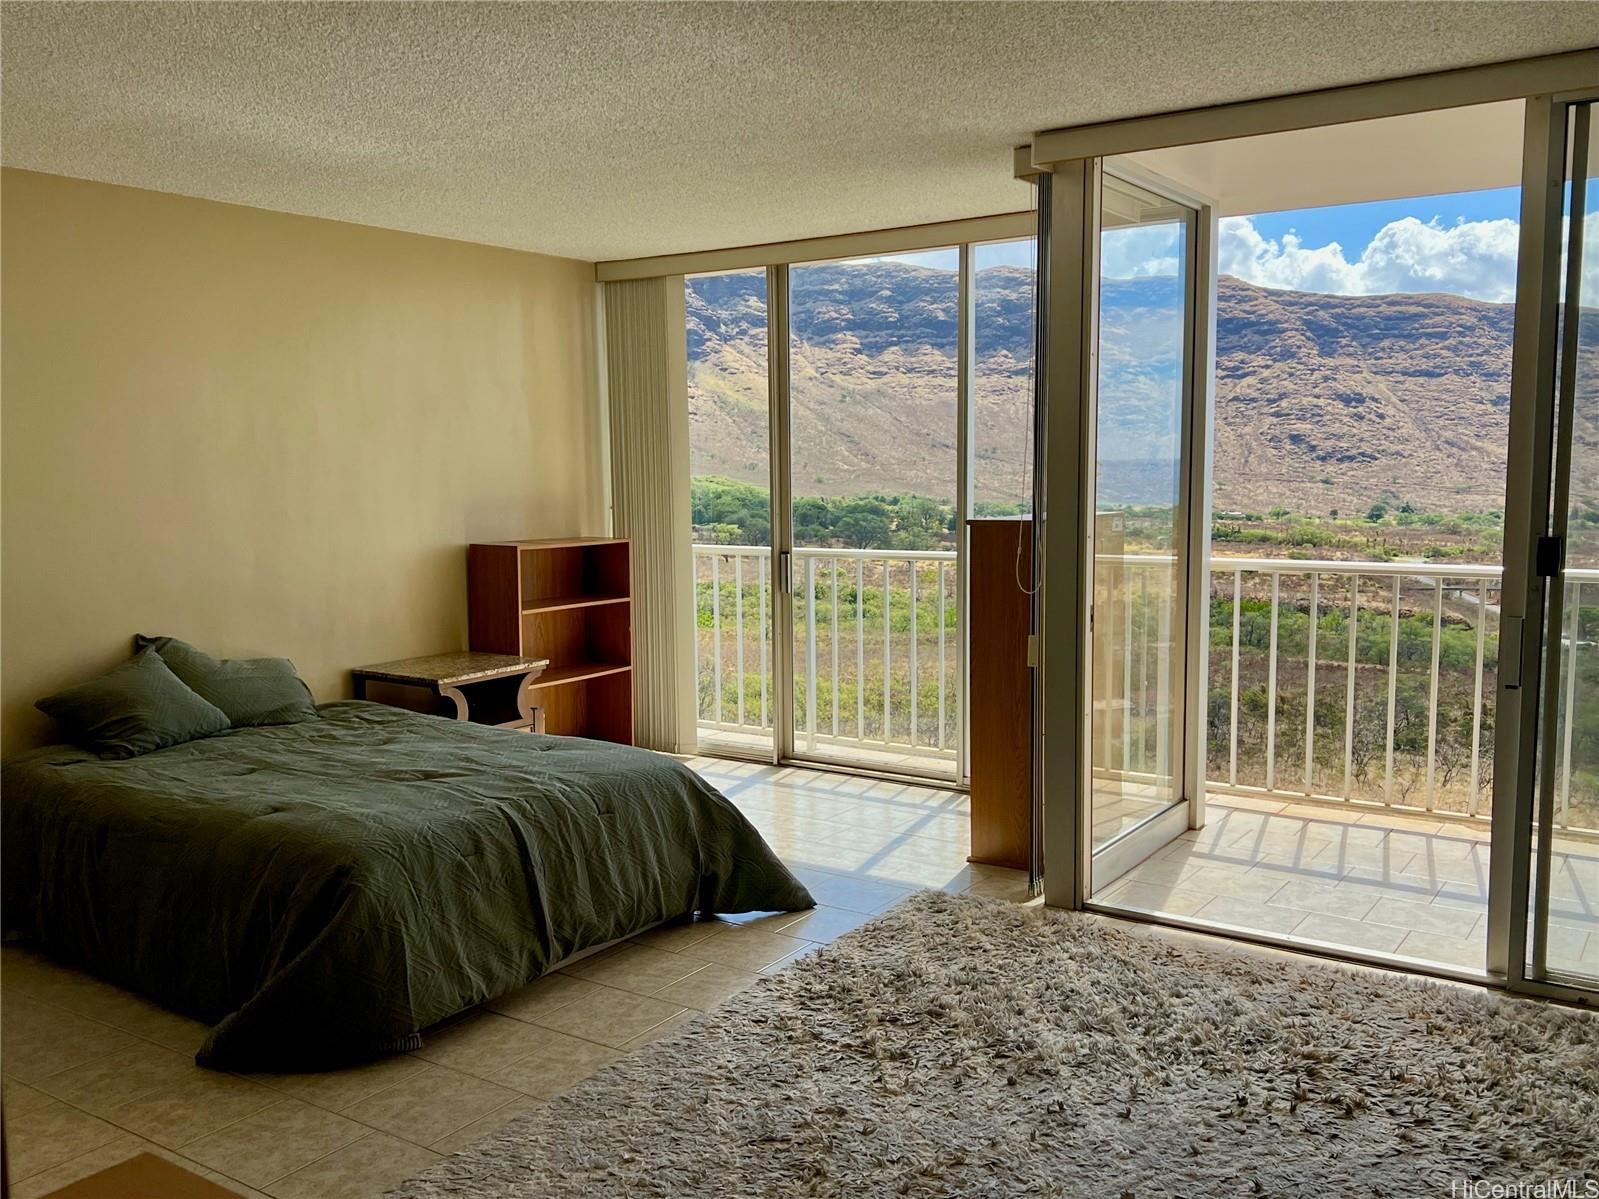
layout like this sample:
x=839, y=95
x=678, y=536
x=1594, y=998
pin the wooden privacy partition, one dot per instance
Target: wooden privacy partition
x=999, y=565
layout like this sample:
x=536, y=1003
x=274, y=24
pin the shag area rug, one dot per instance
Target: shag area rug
x=961, y=1046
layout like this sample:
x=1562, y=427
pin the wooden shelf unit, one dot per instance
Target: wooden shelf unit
x=1000, y=757
x=568, y=600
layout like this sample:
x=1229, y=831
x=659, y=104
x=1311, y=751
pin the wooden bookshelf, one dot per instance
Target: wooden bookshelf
x=1001, y=696
x=568, y=600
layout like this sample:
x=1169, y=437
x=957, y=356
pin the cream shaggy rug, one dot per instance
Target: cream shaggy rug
x=961, y=1046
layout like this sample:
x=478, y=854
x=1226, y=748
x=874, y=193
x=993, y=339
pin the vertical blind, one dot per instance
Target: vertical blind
x=647, y=378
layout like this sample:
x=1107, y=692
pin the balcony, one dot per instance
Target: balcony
x=876, y=656
x=1349, y=728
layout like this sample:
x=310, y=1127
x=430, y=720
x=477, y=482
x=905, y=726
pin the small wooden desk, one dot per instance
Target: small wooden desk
x=493, y=689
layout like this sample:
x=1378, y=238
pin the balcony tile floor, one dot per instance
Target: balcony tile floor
x=934, y=767
x=1393, y=884
x=95, y=1075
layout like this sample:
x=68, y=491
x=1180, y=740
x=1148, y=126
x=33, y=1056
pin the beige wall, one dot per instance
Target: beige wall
x=268, y=434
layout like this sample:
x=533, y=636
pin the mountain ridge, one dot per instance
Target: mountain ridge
x=1323, y=402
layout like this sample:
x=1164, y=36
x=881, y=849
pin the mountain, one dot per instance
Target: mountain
x=1322, y=402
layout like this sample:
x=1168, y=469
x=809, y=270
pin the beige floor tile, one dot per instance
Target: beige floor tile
x=770, y=922
x=664, y=1029
x=19, y=1096
x=1430, y=848
x=1010, y=885
x=1195, y=845
x=336, y=1090
x=1375, y=860
x=481, y=1042
x=1256, y=882
x=1155, y=897
x=1413, y=824
x=484, y=1125
x=430, y=1104
x=108, y=1082
x=674, y=938
x=952, y=877
x=133, y=1014
x=853, y=894
x=1576, y=879
x=744, y=949
x=1248, y=803
x=1472, y=869
x=1354, y=838
x=559, y=1065
x=49, y=1134
x=192, y=1107
x=262, y=1148
x=707, y=987
x=825, y=924
x=1573, y=948
x=611, y=1017
x=1165, y=871
x=1309, y=896
x=1353, y=934
x=1383, y=880
x=1251, y=914
x=1302, y=844
x=845, y=859
x=1461, y=895
x=1321, y=814
x=784, y=963
x=1423, y=917
x=25, y=971
x=29, y=972
x=643, y=970
x=542, y=995
x=41, y=1040
x=1444, y=949
x=360, y=1170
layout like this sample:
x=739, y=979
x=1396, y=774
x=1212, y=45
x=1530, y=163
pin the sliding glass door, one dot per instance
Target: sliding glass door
x=729, y=475
x=1142, y=556
x=842, y=415
x=1408, y=870
x=873, y=459
x=1553, y=880
x=1127, y=367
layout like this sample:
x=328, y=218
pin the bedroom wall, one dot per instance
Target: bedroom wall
x=269, y=434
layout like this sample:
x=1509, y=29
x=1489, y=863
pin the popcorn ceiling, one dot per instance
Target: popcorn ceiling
x=602, y=131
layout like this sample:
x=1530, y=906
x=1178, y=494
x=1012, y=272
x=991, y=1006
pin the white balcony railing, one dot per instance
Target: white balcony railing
x=875, y=648
x=1348, y=682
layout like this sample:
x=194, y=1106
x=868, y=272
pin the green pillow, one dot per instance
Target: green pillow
x=254, y=692
x=138, y=707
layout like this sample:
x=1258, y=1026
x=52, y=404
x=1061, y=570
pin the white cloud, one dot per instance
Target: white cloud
x=1137, y=251
x=1468, y=258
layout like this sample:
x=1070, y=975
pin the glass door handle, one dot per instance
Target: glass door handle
x=785, y=571
x=1510, y=650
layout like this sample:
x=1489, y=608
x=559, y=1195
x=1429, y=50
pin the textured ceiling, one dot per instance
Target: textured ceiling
x=614, y=130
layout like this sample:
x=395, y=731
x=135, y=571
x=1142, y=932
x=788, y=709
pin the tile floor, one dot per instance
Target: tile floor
x=934, y=766
x=94, y=1075
x=1393, y=884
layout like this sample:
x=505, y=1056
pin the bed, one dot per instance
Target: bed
x=321, y=892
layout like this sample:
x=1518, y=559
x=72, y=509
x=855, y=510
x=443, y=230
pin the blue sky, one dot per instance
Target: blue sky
x=1354, y=225
x=1464, y=244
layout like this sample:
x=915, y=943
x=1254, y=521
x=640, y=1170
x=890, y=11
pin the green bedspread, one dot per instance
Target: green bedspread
x=321, y=892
